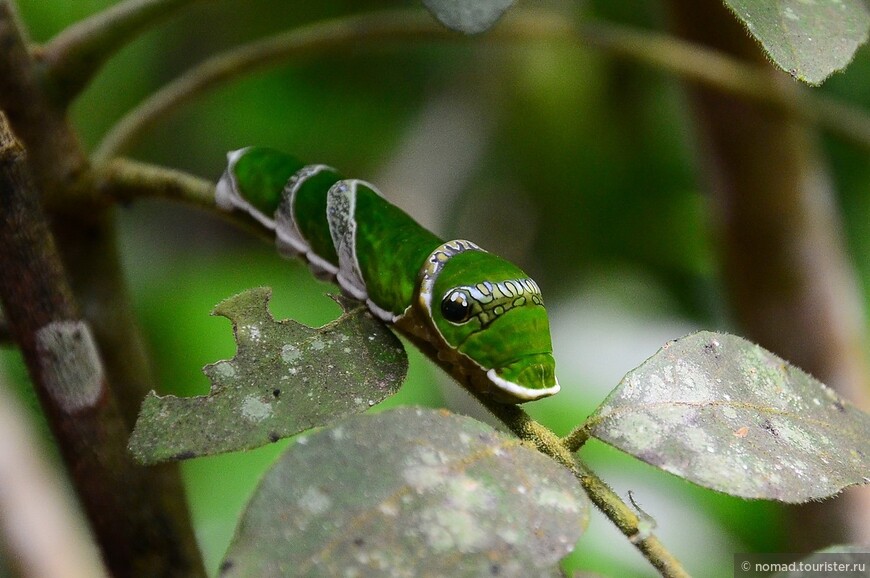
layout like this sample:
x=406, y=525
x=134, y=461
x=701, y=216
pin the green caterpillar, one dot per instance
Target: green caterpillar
x=481, y=313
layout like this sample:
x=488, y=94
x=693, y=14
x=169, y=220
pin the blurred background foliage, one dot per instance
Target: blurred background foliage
x=579, y=167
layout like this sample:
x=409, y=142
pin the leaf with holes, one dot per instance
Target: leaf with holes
x=809, y=40
x=724, y=413
x=468, y=16
x=409, y=492
x=285, y=378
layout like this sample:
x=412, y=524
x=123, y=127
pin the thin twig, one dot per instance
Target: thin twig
x=74, y=56
x=658, y=50
x=727, y=74
x=577, y=438
x=315, y=39
x=127, y=180
x=548, y=443
x=604, y=498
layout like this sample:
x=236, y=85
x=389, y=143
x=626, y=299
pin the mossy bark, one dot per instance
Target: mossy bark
x=61, y=261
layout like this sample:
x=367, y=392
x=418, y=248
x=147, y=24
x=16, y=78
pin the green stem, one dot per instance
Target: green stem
x=73, y=57
x=604, y=498
x=577, y=438
x=127, y=180
x=685, y=59
x=310, y=40
x=628, y=523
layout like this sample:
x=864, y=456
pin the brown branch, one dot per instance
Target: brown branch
x=719, y=70
x=68, y=375
x=785, y=268
x=156, y=533
x=35, y=296
x=4, y=329
x=691, y=61
x=75, y=55
x=51, y=145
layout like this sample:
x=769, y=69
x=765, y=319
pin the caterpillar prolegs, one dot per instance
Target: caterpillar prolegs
x=480, y=312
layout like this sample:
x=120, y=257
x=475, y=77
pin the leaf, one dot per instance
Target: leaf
x=409, y=492
x=724, y=413
x=809, y=39
x=285, y=378
x=468, y=16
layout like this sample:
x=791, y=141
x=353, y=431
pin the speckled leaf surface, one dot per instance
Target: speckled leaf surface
x=468, y=16
x=285, y=378
x=729, y=415
x=810, y=39
x=409, y=492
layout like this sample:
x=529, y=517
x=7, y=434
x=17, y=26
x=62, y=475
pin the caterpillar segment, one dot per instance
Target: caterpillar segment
x=479, y=312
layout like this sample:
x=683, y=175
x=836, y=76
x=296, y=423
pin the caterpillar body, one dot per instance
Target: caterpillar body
x=479, y=312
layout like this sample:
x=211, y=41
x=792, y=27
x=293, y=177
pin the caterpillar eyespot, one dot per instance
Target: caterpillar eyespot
x=456, y=307
x=348, y=233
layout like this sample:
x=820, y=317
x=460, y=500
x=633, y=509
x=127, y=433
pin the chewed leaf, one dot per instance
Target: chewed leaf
x=285, y=378
x=809, y=40
x=724, y=413
x=468, y=16
x=409, y=492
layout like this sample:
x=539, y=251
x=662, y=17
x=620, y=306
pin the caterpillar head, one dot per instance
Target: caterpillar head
x=492, y=314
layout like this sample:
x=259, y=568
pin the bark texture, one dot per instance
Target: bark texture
x=787, y=274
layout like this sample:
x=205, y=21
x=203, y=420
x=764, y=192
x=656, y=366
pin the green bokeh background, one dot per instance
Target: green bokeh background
x=587, y=179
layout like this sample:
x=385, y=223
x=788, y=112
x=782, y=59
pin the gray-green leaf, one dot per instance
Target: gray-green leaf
x=409, y=492
x=468, y=16
x=724, y=413
x=808, y=39
x=285, y=378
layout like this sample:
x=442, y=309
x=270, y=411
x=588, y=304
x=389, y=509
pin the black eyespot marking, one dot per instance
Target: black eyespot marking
x=455, y=307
